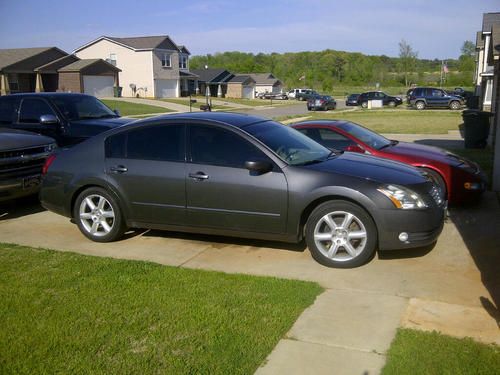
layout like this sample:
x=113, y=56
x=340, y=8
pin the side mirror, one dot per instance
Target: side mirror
x=259, y=166
x=117, y=112
x=48, y=120
x=355, y=148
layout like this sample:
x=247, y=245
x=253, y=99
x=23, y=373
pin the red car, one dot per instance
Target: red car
x=461, y=180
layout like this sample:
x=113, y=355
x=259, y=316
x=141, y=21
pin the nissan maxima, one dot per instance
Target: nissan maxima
x=243, y=176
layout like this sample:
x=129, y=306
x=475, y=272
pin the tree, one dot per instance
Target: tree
x=468, y=48
x=407, y=59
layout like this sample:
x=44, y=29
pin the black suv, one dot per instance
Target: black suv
x=431, y=97
x=68, y=118
x=391, y=101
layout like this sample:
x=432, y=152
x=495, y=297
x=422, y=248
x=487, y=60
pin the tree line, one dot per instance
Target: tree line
x=324, y=70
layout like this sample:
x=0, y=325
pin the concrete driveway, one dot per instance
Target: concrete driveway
x=452, y=287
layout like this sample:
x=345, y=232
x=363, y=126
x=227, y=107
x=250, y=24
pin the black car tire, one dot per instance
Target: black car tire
x=454, y=105
x=364, y=105
x=391, y=104
x=420, y=105
x=438, y=180
x=359, y=236
x=104, y=219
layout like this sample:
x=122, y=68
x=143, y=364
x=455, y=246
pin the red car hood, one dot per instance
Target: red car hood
x=420, y=151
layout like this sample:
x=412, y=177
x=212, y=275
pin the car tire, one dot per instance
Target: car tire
x=350, y=244
x=98, y=215
x=364, y=105
x=301, y=98
x=438, y=180
x=454, y=105
x=420, y=105
x=392, y=104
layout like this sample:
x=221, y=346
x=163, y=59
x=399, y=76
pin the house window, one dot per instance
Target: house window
x=112, y=59
x=183, y=62
x=13, y=83
x=166, y=60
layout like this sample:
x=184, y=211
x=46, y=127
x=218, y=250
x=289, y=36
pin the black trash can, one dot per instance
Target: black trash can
x=476, y=128
x=117, y=91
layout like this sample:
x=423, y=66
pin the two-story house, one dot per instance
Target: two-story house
x=151, y=66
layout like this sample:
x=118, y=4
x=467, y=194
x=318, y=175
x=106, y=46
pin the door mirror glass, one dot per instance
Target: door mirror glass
x=48, y=120
x=259, y=166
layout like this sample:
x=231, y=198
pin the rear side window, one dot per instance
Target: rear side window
x=8, y=110
x=157, y=142
x=32, y=109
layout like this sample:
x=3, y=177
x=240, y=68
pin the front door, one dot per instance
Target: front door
x=147, y=166
x=222, y=193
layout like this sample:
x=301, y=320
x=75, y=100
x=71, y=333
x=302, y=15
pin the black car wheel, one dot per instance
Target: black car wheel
x=364, y=105
x=341, y=234
x=391, y=104
x=98, y=215
x=454, y=105
x=420, y=105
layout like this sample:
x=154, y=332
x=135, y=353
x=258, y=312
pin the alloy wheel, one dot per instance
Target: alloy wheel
x=97, y=215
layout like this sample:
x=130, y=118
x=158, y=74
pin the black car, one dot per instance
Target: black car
x=68, y=118
x=391, y=101
x=321, y=103
x=431, y=97
x=352, y=100
x=271, y=95
x=22, y=156
x=244, y=176
x=306, y=95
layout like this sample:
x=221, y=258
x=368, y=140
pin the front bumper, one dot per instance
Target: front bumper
x=19, y=187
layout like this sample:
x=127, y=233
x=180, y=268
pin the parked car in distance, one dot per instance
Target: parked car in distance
x=22, y=156
x=306, y=95
x=68, y=118
x=243, y=176
x=321, y=103
x=275, y=96
x=388, y=100
x=460, y=180
x=352, y=100
x=431, y=97
x=292, y=94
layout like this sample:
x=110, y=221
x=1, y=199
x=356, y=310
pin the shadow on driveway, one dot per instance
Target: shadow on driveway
x=19, y=208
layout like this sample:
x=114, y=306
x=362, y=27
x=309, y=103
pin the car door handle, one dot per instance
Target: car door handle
x=199, y=176
x=118, y=169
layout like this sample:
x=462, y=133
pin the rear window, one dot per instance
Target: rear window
x=8, y=110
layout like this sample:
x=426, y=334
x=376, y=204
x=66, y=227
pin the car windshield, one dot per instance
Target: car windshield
x=366, y=136
x=82, y=107
x=289, y=144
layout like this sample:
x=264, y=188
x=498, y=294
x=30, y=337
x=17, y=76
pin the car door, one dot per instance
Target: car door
x=222, y=193
x=147, y=166
x=30, y=111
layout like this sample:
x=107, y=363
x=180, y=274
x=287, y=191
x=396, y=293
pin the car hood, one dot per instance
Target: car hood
x=417, y=150
x=91, y=127
x=371, y=168
x=11, y=139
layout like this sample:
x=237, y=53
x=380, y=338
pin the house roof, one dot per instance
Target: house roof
x=27, y=57
x=213, y=75
x=141, y=43
x=265, y=79
x=489, y=19
x=53, y=66
x=80, y=65
x=242, y=78
x=187, y=74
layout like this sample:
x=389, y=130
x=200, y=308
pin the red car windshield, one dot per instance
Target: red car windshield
x=366, y=136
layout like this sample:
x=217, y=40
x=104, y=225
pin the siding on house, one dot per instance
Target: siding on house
x=70, y=82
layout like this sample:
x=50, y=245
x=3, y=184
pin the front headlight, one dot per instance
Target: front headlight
x=403, y=198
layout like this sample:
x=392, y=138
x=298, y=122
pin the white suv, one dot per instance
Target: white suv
x=292, y=94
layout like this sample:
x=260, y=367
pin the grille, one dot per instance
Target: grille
x=20, y=153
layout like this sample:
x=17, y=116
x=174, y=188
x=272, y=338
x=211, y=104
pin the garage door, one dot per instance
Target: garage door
x=248, y=92
x=166, y=88
x=99, y=86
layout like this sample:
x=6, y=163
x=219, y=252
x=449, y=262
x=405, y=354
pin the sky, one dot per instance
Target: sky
x=433, y=28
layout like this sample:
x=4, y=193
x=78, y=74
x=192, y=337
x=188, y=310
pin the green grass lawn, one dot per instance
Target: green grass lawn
x=128, y=109
x=63, y=313
x=397, y=121
x=415, y=352
x=199, y=102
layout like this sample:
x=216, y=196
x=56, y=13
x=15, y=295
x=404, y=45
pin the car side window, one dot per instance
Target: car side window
x=216, y=146
x=437, y=93
x=157, y=142
x=32, y=109
x=8, y=110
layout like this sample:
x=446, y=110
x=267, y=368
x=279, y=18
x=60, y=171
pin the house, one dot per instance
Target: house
x=267, y=82
x=42, y=69
x=151, y=66
x=241, y=86
x=483, y=77
x=215, y=79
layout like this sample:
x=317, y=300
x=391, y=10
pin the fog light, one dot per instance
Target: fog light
x=403, y=236
x=473, y=186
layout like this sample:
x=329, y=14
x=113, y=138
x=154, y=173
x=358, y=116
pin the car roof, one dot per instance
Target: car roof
x=238, y=120
x=44, y=94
